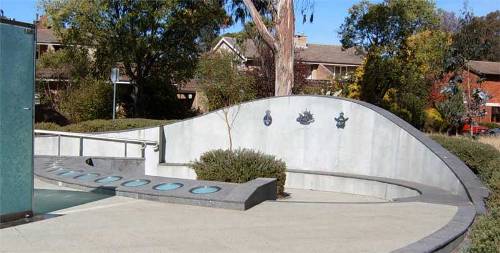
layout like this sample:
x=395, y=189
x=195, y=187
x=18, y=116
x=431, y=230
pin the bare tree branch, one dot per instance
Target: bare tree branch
x=261, y=27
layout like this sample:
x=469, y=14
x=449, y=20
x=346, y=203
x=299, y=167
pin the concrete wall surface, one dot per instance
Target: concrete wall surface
x=370, y=143
x=70, y=146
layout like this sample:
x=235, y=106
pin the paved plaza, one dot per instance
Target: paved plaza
x=308, y=221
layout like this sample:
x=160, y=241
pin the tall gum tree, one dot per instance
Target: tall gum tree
x=280, y=41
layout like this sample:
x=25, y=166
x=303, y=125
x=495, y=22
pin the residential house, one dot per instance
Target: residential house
x=325, y=61
x=490, y=72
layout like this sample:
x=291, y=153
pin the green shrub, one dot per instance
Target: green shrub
x=485, y=235
x=484, y=160
x=101, y=125
x=89, y=99
x=433, y=122
x=481, y=158
x=240, y=166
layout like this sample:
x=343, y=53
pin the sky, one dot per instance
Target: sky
x=328, y=15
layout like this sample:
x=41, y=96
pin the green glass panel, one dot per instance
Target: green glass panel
x=16, y=117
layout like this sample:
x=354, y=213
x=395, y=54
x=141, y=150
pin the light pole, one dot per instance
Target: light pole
x=115, y=75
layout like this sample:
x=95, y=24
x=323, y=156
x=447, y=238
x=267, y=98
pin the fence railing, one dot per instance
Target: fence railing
x=82, y=137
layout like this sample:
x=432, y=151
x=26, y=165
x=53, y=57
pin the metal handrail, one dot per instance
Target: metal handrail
x=93, y=137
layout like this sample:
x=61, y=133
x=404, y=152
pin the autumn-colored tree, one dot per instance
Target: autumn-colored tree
x=404, y=53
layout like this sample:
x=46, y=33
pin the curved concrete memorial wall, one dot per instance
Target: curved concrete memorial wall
x=325, y=135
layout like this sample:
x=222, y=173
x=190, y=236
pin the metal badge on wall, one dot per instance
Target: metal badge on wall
x=268, y=120
x=305, y=118
x=341, y=121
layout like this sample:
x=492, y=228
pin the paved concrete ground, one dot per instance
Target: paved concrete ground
x=308, y=221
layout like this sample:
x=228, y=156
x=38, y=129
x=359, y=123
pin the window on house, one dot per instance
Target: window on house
x=337, y=71
x=41, y=49
x=495, y=114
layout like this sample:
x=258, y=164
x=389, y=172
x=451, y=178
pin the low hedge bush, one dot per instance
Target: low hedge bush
x=101, y=125
x=240, y=166
x=489, y=124
x=484, y=160
x=481, y=158
x=48, y=126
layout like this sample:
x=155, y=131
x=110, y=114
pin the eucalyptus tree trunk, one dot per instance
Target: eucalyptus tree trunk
x=284, y=56
x=281, y=43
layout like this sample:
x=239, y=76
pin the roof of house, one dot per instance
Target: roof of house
x=327, y=54
x=52, y=74
x=247, y=48
x=44, y=35
x=485, y=67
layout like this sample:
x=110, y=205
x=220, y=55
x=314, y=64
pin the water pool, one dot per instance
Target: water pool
x=168, y=186
x=205, y=189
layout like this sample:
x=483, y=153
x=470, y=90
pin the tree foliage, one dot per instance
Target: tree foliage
x=385, y=26
x=74, y=93
x=222, y=82
x=275, y=23
x=452, y=108
x=89, y=99
x=264, y=74
x=404, y=53
x=477, y=39
x=157, y=43
x=449, y=22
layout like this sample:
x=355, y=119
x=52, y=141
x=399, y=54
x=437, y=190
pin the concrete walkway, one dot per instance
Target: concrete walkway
x=308, y=221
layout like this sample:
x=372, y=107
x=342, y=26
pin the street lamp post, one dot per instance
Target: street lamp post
x=115, y=74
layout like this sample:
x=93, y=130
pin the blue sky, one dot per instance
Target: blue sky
x=328, y=15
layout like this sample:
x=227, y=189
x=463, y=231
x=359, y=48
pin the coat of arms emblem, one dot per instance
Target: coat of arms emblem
x=268, y=120
x=341, y=121
x=305, y=118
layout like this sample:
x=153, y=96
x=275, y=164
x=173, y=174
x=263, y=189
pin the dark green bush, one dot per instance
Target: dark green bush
x=48, y=126
x=481, y=158
x=101, y=125
x=89, y=99
x=239, y=166
x=485, y=234
x=484, y=160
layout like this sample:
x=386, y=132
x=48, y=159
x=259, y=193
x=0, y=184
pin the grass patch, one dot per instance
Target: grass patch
x=484, y=160
x=491, y=140
x=101, y=125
